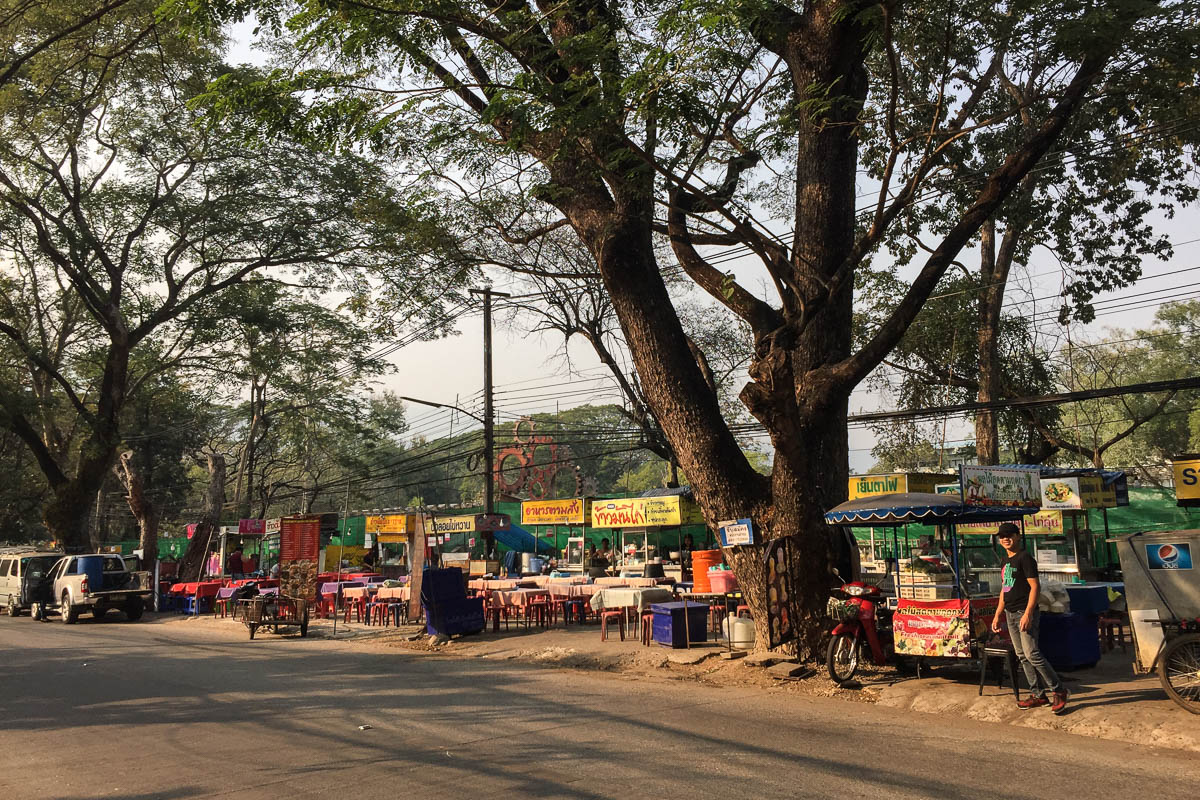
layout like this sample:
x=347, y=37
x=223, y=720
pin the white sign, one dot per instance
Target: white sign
x=736, y=532
x=1047, y=557
x=431, y=541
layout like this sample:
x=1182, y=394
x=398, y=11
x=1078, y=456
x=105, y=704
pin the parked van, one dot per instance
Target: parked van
x=19, y=574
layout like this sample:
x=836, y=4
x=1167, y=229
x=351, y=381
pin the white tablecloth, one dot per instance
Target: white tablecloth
x=640, y=597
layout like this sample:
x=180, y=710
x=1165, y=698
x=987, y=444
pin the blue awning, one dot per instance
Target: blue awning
x=931, y=509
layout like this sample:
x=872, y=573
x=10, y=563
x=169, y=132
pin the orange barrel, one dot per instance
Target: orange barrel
x=701, y=561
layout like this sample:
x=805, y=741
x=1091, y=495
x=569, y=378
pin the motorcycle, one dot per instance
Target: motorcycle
x=861, y=618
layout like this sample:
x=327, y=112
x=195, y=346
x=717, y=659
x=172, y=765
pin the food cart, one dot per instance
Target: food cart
x=638, y=523
x=942, y=609
x=1162, y=593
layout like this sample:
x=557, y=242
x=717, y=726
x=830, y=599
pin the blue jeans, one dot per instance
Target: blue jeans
x=1040, y=676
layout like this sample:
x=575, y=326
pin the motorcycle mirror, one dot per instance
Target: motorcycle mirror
x=835, y=572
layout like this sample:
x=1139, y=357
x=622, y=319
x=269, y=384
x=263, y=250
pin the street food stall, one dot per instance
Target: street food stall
x=875, y=552
x=389, y=536
x=553, y=518
x=1162, y=593
x=638, y=525
x=943, y=609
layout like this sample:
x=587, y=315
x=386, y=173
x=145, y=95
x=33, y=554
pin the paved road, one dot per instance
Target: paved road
x=183, y=710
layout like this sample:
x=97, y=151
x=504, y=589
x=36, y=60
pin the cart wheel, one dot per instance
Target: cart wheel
x=1179, y=671
x=842, y=658
x=252, y=628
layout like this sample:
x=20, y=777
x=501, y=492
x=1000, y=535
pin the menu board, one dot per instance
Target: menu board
x=299, y=539
x=777, y=556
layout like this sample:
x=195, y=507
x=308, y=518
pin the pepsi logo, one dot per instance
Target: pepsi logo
x=1168, y=554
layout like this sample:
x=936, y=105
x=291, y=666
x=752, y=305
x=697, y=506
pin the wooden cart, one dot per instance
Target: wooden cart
x=275, y=611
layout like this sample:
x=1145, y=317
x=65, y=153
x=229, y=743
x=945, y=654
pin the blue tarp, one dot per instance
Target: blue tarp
x=517, y=538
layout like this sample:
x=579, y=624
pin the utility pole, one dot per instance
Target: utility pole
x=489, y=478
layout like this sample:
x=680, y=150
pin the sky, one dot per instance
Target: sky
x=532, y=376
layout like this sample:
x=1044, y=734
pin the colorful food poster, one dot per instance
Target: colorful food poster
x=1085, y=491
x=933, y=628
x=999, y=486
x=777, y=556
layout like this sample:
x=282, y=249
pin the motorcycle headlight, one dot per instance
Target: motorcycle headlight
x=854, y=591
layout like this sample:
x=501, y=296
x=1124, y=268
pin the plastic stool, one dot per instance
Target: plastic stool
x=647, y=627
x=605, y=616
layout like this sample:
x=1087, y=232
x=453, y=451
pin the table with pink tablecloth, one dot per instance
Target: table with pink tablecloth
x=634, y=582
x=573, y=589
x=401, y=593
x=503, y=584
x=355, y=592
x=516, y=598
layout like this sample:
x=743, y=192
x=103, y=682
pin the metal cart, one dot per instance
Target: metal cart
x=1162, y=593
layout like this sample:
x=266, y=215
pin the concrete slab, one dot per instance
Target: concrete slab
x=767, y=659
x=690, y=656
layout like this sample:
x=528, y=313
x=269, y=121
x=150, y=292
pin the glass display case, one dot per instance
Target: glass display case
x=575, y=553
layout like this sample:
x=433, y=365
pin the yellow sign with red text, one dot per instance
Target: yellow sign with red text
x=640, y=512
x=573, y=511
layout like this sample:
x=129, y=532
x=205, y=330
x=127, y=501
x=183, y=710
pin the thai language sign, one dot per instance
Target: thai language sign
x=573, y=511
x=933, y=628
x=999, y=486
x=871, y=485
x=390, y=523
x=636, y=512
x=1085, y=491
x=299, y=539
x=736, y=532
x=1043, y=523
x=443, y=525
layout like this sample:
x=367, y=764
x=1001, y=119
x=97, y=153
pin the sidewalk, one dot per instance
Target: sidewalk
x=1107, y=702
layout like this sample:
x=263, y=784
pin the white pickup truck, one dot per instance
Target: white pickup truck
x=75, y=584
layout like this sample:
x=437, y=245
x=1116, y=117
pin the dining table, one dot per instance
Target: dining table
x=201, y=589
x=639, y=597
x=488, y=584
x=401, y=593
x=573, y=589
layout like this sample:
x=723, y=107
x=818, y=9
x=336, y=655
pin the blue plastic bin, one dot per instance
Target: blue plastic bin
x=668, y=626
x=1069, y=641
x=1087, y=599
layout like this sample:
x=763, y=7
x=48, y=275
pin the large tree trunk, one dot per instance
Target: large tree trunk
x=68, y=512
x=144, y=511
x=214, y=500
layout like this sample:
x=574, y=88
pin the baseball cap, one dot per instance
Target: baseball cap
x=1007, y=529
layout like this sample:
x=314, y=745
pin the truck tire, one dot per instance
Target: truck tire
x=134, y=608
x=69, y=612
x=13, y=608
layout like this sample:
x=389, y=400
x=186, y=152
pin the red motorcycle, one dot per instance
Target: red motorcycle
x=861, y=618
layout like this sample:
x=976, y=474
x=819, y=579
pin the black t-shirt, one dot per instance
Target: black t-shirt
x=1015, y=575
